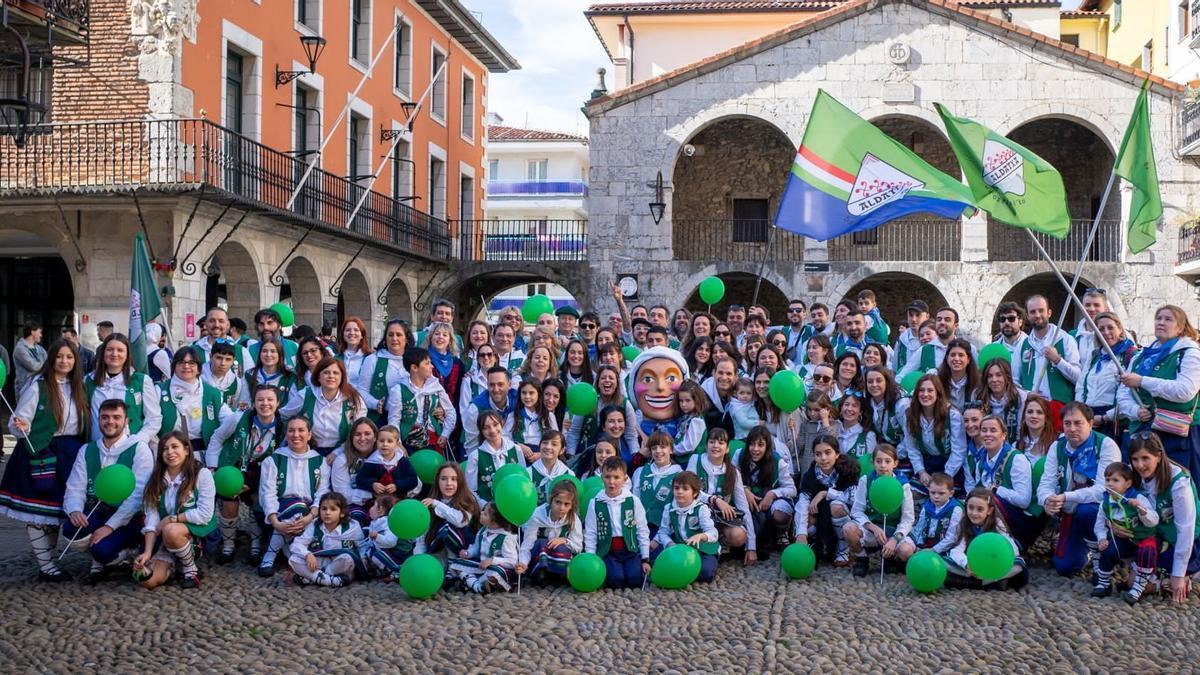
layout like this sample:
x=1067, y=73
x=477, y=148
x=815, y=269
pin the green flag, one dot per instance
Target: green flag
x=1009, y=181
x=1135, y=163
x=143, y=302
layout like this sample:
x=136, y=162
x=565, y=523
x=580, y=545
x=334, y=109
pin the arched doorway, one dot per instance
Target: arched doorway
x=726, y=187
x=398, y=301
x=35, y=285
x=1044, y=284
x=739, y=290
x=303, y=290
x=232, y=281
x=893, y=292
x=354, y=298
x=514, y=295
x=1084, y=159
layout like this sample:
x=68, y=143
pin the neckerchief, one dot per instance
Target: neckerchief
x=1153, y=355
x=1084, y=458
x=1122, y=347
x=987, y=470
x=670, y=426
x=937, y=513
x=826, y=479
x=444, y=363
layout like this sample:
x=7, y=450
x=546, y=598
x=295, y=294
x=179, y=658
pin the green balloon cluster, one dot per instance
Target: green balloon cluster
x=992, y=352
x=676, y=567
x=535, y=306
x=286, y=316
x=909, y=382
x=229, y=481
x=886, y=494
x=516, y=497
x=408, y=520
x=926, y=571
x=426, y=463
x=591, y=487
x=586, y=572
x=712, y=290
x=786, y=390
x=582, y=399
x=114, y=484
x=798, y=561
x=990, y=556
x=421, y=576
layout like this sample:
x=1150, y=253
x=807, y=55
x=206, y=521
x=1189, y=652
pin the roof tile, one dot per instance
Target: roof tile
x=500, y=133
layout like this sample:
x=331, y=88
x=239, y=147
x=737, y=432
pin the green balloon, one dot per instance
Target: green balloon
x=586, y=572
x=516, y=498
x=990, y=556
x=509, y=470
x=286, y=316
x=735, y=446
x=886, y=494
x=866, y=464
x=3, y=373
x=570, y=479
x=535, y=306
x=421, y=576
x=630, y=352
x=787, y=391
x=409, y=520
x=994, y=351
x=676, y=567
x=926, y=571
x=591, y=487
x=798, y=561
x=712, y=290
x=1039, y=467
x=426, y=463
x=582, y=399
x=909, y=383
x=114, y=484
x=229, y=481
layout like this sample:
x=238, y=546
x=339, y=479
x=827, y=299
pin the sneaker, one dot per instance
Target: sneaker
x=862, y=565
x=338, y=580
x=54, y=576
x=782, y=541
x=190, y=580
x=1102, y=591
x=255, y=558
x=1131, y=596
x=266, y=571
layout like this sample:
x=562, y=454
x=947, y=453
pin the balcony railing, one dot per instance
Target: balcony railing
x=907, y=239
x=187, y=155
x=522, y=240
x=1189, y=126
x=1007, y=243
x=555, y=188
x=1189, y=243
x=740, y=240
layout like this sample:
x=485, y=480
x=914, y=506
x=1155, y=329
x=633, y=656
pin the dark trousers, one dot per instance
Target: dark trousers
x=1143, y=552
x=624, y=570
x=1074, y=531
x=111, y=546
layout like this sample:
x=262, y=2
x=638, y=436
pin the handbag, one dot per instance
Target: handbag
x=1174, y=422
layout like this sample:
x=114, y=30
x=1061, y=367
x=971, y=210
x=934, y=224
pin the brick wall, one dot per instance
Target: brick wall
x=108, y=88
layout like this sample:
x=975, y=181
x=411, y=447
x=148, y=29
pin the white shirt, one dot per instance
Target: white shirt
x=613, y=504
x=188, y=398
x=366, y=372
x=296, y=482
x=1068, y=365
x=115, y=387
x=143, y=463
x=541, y=521
x=1076, y=492
x=327, y=419
x=27, y=408
x=201, y=514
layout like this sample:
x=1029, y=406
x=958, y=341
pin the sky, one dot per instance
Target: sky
x=559, y=54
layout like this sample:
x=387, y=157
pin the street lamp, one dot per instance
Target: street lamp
x=658, y=206
x=313, y=46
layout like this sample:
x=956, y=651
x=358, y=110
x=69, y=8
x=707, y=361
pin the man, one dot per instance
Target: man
x=216, y=323
x=589, y=323
x=507, y=356
x=616, y=324
x=500, y=396
x=929, y=357
x=237, y=332
x=735, y=318
x=796, y=331
x=753, y=326
x=158, y=359
x=1095, y=301
x=442, y=311
x=681, y=323
x=28, y=354
x=270, y=328
x=1011, y=318
x=103, y=330
x=818, y=317
x=659, y=315
x=87, y=357
x=112, y=529
x=1048, y=361
x=854, y=338
x=640, y=329
x=908, y=343
x=568, y=321
x=657, y=336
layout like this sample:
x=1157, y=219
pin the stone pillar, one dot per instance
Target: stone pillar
x=974, y=247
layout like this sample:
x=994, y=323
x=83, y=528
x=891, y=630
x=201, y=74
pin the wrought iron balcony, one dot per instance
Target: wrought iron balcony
x=67, y=18
x=1189, y=128
x=1189, y=243
x=522, y=240
x=1008, y=243
x=525, y=188
x=199, y=157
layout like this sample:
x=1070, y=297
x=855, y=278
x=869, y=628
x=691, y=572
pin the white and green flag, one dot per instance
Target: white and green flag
x=144, y=305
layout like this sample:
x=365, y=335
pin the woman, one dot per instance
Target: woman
x=768, y=358
x=479, y=333
x=958, y=373
x=817, y=351
x=720, y=389
x=781, y=425
x=180, y=506
x=701, y=326
x=726, y=351
x=889, y=407
x=583, y=431
x=190, y=405
x=1036, y=433
x=309, y=352
x=554, y=399
x=331, y=405
x=539, y=365
x=1160, y=389
x=50, y=421
x=475, y=381
x=721, y=333
x=1097, y=385
x=750, y=349
x=345, y=463
x=576, y=365
x=934, y=439
x=353, y=346
x=698, y=354
x=447, y=367
x=611, y=355
x=115, y=377
x=1167, y=484
x=384, y=369
x=874, y=354
x=270, y=369
x=1001, y=396
x=847, y=373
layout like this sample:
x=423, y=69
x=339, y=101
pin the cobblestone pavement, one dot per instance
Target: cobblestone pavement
x=749, y=620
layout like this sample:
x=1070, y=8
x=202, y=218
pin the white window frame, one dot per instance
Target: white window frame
x=305, y=29
x=493, y=169
x=466, y=120
x=249, y=45
x=434, y=48
x=315, y=83
x=406, y=29
x=467, y=171
x=410, y=166
x=438, y=153
x=361, y=109
x=354, y=60
x=530, y=163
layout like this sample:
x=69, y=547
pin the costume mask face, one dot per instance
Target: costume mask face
x=654, y=385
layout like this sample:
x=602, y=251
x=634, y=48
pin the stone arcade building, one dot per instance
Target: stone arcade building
x=723, y=132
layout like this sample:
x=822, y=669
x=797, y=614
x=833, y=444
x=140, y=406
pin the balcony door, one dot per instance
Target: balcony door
x=235, y=103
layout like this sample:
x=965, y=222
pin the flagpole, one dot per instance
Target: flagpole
x=763, y=263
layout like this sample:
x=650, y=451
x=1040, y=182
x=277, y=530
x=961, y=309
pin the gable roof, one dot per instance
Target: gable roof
x=501, y=133
x=709, y=6
x=949, y=8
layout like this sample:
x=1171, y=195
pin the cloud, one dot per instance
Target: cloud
x=559, y=54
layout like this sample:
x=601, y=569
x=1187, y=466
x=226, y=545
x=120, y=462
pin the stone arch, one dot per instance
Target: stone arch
x=1085, y=159
x=1073, y=111
x=680, y=134
x=1044, y=283
x=398, y=301
x=739, y=289
x=893, y=292
x=36, y=283
x=354, y=298
x=922, y=136
x=233, y=277
x=724, y=194
x=474, y=294
x=303, y=290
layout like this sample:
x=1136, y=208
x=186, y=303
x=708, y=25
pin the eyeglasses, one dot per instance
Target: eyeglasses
x=1009, y=318
x=824, y=379
x=487, y=354
x=308, y=352
x=795, y=310
x=587, y=326
x=188, y=363
x=722, y=332
x=779, y=343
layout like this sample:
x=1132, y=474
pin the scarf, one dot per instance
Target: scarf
x=987, y=470
x=1122, y=347
x=827, y=479
x=935, y=512
x=670, y=426
x=444, y=363
x=1153, y=355
x=1084, y=458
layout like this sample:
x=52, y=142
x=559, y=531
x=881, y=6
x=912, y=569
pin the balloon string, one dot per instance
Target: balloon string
x=24, y=434
x=881, y=558
x=77, y=533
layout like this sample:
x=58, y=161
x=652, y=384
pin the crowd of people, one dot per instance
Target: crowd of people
x=1085, y=433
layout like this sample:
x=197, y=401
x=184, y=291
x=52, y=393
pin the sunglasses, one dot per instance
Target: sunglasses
x=795, y=310
x=587, y=326
x=722, y=332
x=823, y=378
x=779, y=343
x=1009, y=318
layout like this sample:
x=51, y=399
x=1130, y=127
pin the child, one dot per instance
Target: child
x=877, y=329
x=590, y=463
x=855, y=435
x=494, y=452
x=937, y=524
x=179, y=500
x=741, y=408
x=419, y=407
x=689, y=521
x=826, y=495
x=616, y=523
x=455, y=510
x=769, y=488
x=549, y=465
x=1136, y=520
x=387, y=471
x=982, y=516
x=492, y=560
x=652, y=482
x=219, y=372
x=869, y=528
x=531, y=420
x=819, y=417
x=293, y=480
x=726, y=496
x=326, y=553
x=690, y=438
x=381, y=552
x=553, y=535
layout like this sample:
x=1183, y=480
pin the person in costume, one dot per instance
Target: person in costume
x=1125, y=529
x=179, y=503
x=689, y=521
x=293, y=480
x=1007, y=472
x=331, y=405
x=115, y=378
x=1048, y=361
x=870, y=528
x=937, y=520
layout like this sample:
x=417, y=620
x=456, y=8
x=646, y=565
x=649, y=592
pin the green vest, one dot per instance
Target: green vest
x=283, y=386
x=686, y=524
x=890, y=429
x=43, y=425
x=604, y=526
x=409, y=414
x=496, y=545
x=379, y=388
x=859, y=447
x=91, y=456
x=1167, y=369
x=1060, y=389
x=133, y=398
x=1124, y=514
x=318, y=541
x=237, y=450
x=229, y=394
x=939, y=526
x=201, y=530
x=344, y=420
x=928, y=358
x=878, y=516
x=1005, y=472
x=1165, y=506
x=281, y=471
x=542, y=481
x=685, y=423
x=290, y=349
x=1060, y=449
x=901, y=353
x=656, y=493
x=211, y=401
x=487, y=470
